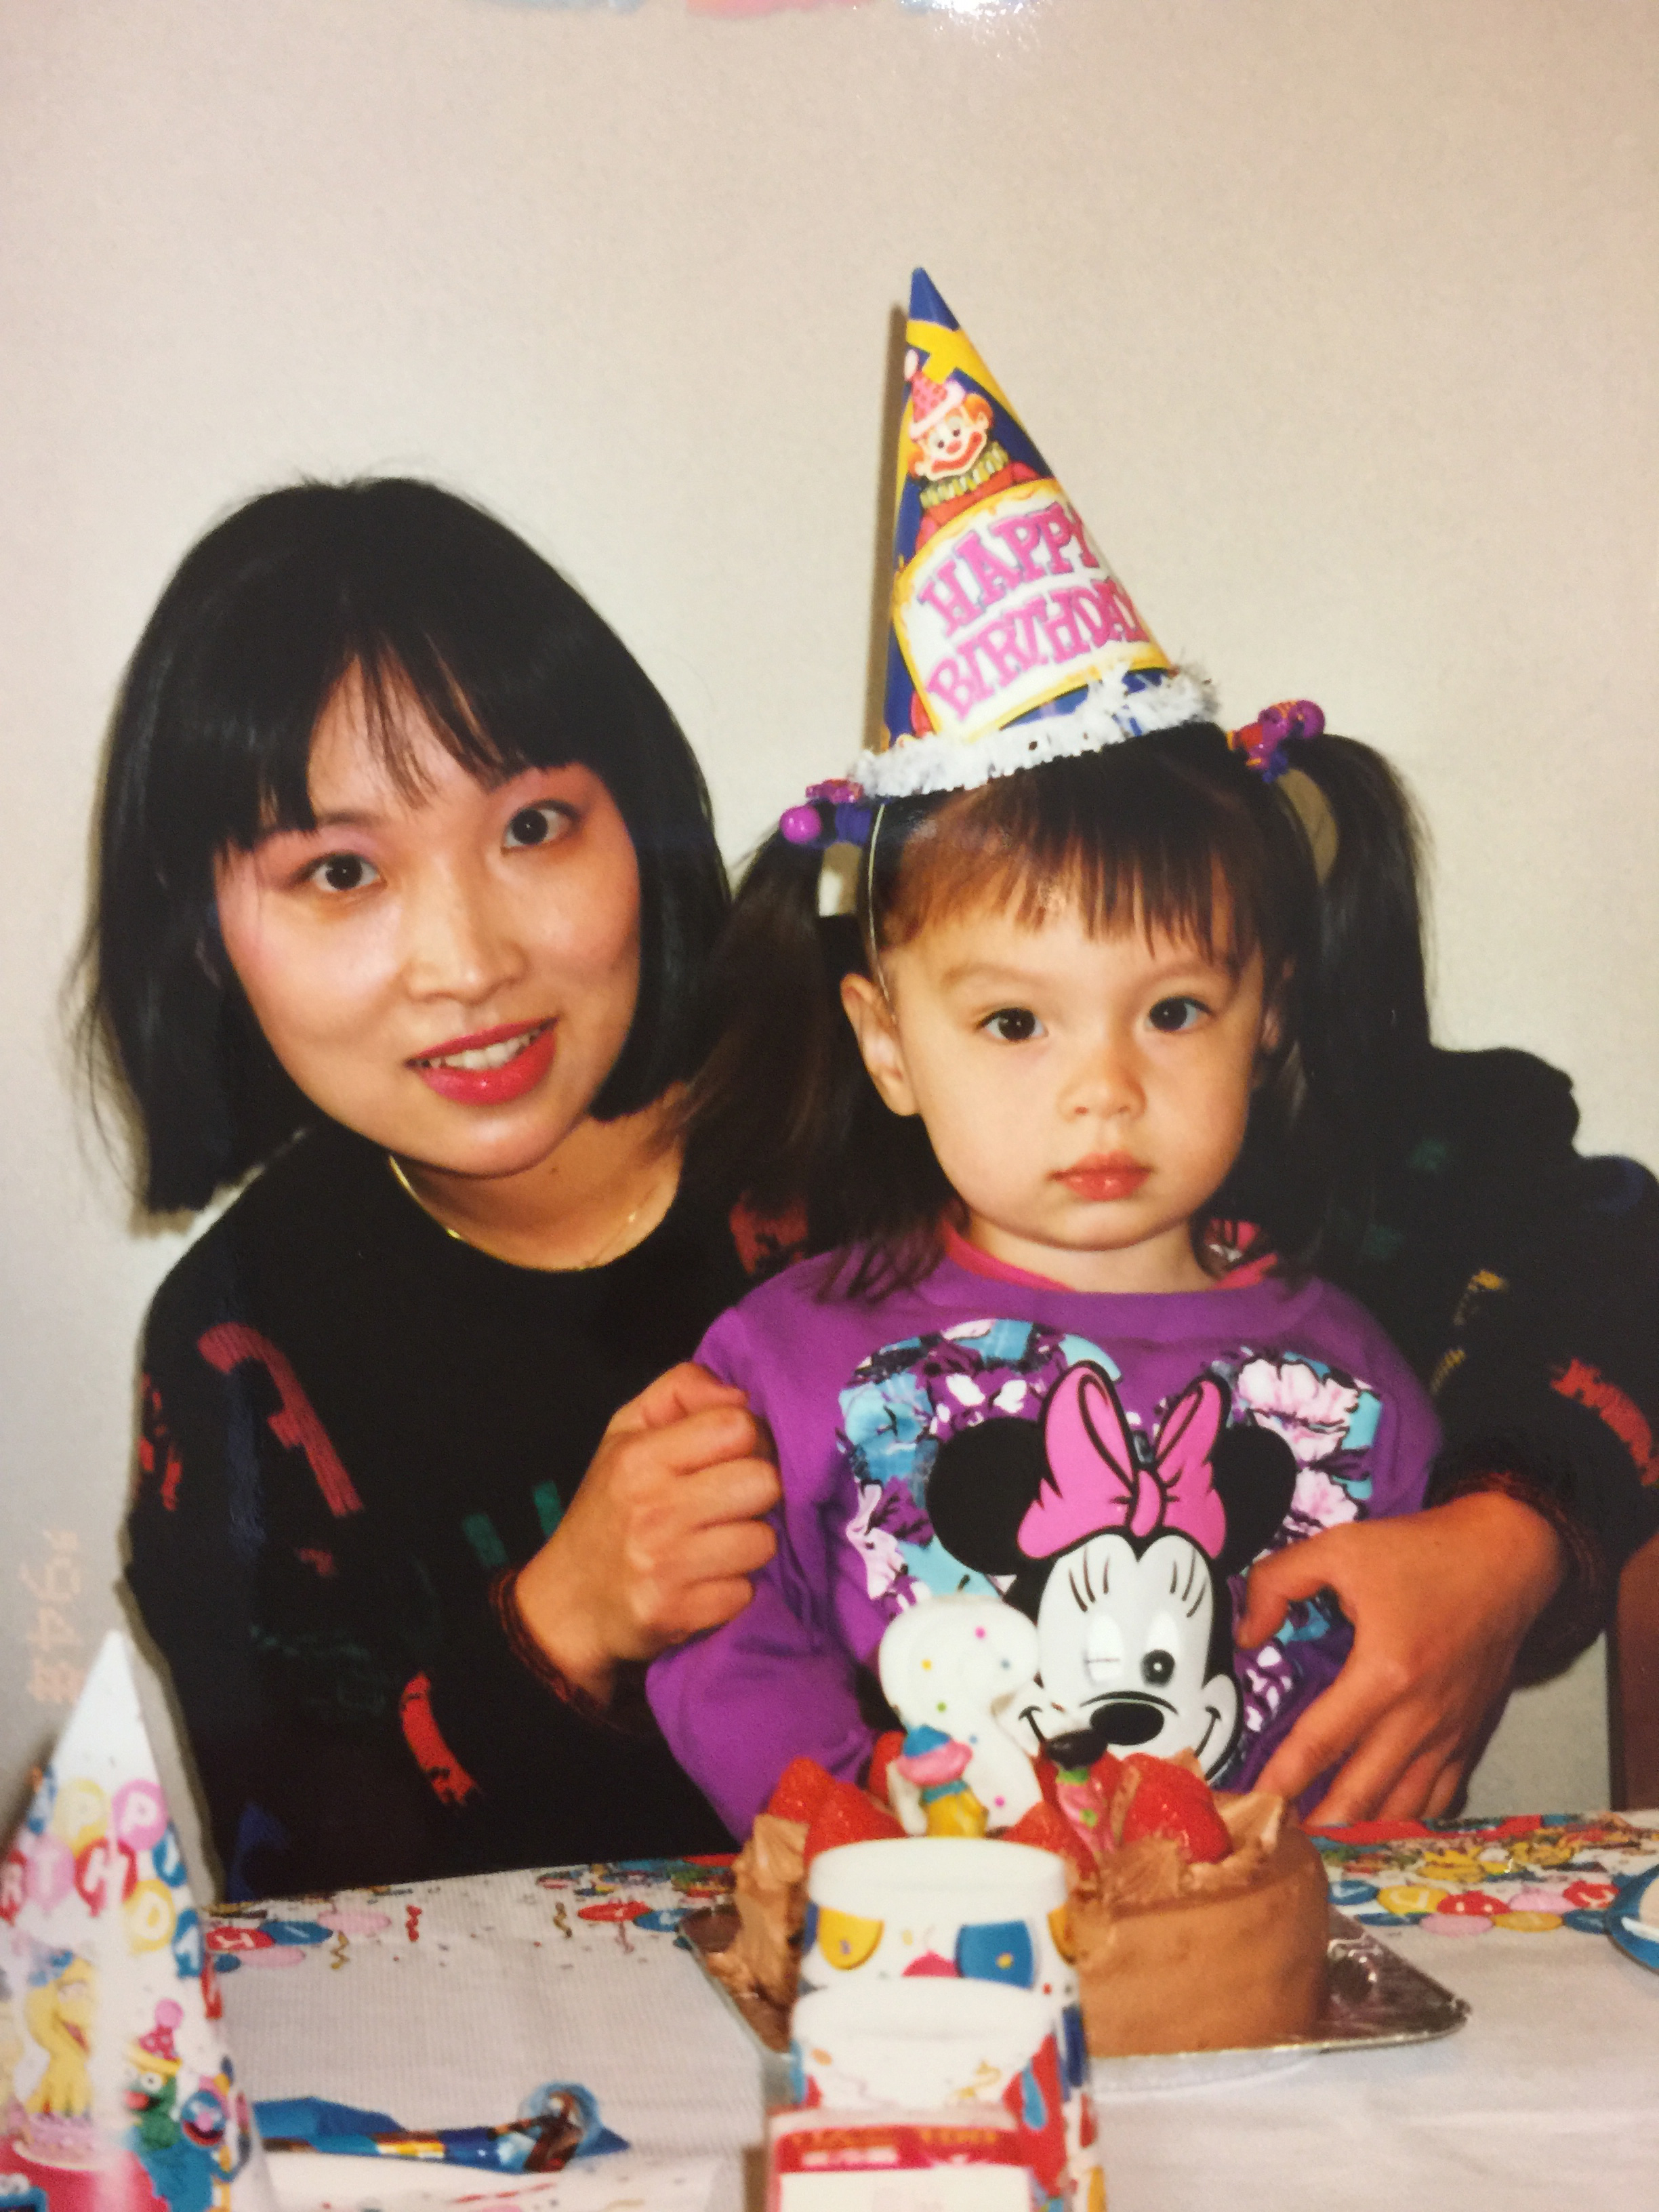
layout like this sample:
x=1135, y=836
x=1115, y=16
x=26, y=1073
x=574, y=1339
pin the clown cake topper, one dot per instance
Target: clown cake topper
x=1011, y=642
x=117, y=2087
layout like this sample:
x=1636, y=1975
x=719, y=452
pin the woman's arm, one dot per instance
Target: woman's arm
x=343, y=1732
x=1441, y=1602
x=536, y=1708
x=1522, y=1282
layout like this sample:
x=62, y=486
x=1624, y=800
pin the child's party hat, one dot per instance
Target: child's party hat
x=117, y=2092
x=1011, y=642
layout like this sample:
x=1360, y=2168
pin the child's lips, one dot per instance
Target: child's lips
x=1110, y=1176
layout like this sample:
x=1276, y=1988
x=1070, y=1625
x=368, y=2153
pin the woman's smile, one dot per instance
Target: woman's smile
x=446, y=964
x=492, y=1067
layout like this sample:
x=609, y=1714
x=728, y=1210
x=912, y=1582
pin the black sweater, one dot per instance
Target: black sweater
x=1522, y=1282
x=354, y=1423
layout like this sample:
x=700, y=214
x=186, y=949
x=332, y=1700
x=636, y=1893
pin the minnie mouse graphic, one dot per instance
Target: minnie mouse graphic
x=1119, y=1552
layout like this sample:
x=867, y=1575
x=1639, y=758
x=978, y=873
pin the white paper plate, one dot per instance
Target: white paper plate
x=1632, y=1935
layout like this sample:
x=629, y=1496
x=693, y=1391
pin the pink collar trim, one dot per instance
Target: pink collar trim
x=970, y=1258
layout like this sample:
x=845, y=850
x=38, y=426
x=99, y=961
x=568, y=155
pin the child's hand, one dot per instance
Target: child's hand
x=662, y=1536
x=1440, y=1602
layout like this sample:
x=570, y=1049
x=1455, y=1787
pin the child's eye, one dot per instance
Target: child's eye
x=1173, y=1014
x=1012, y=1025
x=536, y=825
x=342, y=871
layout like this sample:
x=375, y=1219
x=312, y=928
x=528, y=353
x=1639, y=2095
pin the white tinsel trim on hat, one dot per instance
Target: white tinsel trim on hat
x=1108, y=712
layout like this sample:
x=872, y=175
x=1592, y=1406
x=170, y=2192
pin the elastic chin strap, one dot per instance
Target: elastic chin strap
x=871, y=946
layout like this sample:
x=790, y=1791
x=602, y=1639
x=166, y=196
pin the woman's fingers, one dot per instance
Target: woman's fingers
x=1388, y=1775
x=1439, y=1602
x=1332, y=1725
x=1275, y=1583
x=1446, y=1785
x=712, y=1604
x=695, y=1526
x=686, y=1388
x=671, y=1502
x=733, y=1494
x=714, y=1584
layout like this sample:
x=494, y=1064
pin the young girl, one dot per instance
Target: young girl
x=1035, y=1368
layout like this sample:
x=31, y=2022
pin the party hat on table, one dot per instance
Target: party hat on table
x=115, y=2083
x=1011, y=642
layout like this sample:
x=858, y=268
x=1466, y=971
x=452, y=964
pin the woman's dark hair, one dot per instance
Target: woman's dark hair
x=431, y=601
x=1170, y=832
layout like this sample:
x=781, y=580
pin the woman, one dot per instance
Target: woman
x=406, y=880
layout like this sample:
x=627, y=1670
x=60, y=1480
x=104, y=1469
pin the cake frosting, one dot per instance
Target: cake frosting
x=1174, y=1956
x=769, y=1895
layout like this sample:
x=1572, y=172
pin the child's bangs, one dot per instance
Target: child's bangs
x=1123, y=836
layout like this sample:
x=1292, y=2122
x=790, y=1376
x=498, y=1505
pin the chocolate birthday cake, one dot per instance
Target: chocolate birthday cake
x=1198, y=1918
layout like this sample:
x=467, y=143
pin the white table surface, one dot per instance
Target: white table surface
x=1549, y=2094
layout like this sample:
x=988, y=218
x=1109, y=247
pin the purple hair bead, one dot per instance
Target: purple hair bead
x=1265, y=742
x=832, y=812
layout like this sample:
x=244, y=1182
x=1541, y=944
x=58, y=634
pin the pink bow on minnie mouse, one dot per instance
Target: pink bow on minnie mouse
x=1096, y=1481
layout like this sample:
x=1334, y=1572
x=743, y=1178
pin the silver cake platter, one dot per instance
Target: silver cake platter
x=1377, y=1998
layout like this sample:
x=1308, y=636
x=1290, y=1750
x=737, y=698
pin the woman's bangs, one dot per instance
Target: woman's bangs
x=412, y=689
x=407, y=693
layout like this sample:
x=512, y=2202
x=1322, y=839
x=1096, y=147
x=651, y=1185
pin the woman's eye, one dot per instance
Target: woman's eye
x=1173, y=1014
x=536, y=825
x=343, y=871
x=1012, y=1025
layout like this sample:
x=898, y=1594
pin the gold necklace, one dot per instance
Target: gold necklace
x=610, y=1249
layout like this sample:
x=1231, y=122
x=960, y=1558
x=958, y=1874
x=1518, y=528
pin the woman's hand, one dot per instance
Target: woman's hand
x=661, y=1538
x=1440, y=1602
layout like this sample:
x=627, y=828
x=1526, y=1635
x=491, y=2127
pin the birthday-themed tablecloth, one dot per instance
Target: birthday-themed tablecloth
x=446, y=2004
x=449, y=2004
x=1534, y=1874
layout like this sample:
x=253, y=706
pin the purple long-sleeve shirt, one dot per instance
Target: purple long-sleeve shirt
x=1138, y=1440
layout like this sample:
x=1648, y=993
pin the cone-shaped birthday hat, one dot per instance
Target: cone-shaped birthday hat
x=116, y=2094
x=1011, y=640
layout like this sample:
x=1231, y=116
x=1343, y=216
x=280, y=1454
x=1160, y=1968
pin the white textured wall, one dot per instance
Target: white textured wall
x=1337, y=317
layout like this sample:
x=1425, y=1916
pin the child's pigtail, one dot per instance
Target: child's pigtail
x=1370, y=990
x=1365, y=1032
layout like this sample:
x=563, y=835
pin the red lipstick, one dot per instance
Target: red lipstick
x=1104, y=1176
x=496, y=1084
